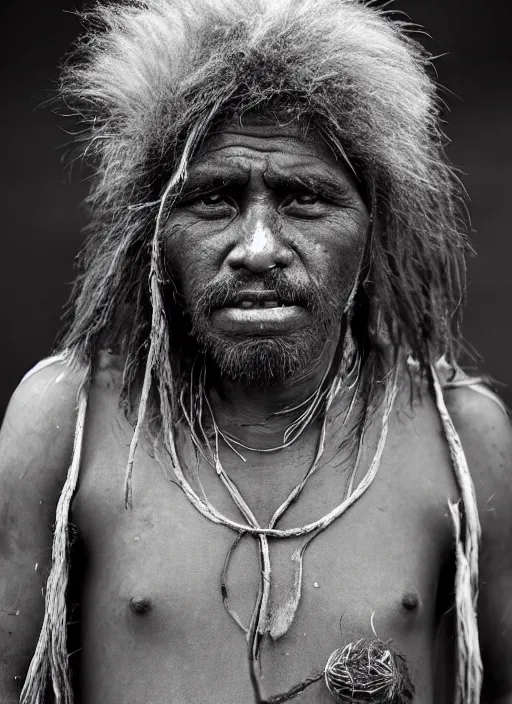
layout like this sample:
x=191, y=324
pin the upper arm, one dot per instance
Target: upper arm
x=486, y=435
x=35, y=450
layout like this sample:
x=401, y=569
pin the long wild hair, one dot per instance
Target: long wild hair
x=147, y=81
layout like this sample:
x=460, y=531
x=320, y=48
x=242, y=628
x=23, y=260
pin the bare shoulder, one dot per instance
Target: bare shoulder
x=486, y=435
x=37, y=433
x=36, y=445
x=485, y=431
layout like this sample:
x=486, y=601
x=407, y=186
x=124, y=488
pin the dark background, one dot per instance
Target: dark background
x=41, y=220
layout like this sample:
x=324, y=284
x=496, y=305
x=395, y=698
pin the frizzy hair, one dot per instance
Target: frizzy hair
x=148, y=73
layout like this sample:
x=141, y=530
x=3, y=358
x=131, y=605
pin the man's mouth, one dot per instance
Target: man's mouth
x=259, y=313
x=256, y=304
x=257, y=299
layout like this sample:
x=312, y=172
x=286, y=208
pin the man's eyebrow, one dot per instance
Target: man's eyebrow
x=322, y=184
x=211, y=179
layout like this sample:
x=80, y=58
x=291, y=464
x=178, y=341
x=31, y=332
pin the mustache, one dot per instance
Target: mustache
x=225, y=292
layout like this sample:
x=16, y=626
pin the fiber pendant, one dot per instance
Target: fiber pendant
x=368, y=671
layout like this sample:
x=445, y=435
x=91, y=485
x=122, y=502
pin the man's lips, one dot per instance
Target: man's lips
x=250, y=299
x=259, y=313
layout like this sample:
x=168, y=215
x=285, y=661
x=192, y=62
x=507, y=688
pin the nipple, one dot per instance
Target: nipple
x=140, y=605
x=410, y=601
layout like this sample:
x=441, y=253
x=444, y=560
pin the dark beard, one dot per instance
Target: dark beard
x=258, y=360
x=262, y=361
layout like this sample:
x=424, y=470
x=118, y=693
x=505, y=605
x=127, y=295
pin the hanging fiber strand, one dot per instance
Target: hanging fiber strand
x=51, y=657
x=210, y=512
x=159, y=334
x=280, y=624
x=467, y=538
x=284, y=617
x=158, y=323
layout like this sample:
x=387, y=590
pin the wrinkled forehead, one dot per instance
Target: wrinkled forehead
x=292, y=140
x=252, y=124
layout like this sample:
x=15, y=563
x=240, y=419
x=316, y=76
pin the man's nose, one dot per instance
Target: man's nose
x=260, y=248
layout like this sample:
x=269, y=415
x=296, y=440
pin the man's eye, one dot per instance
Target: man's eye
x=212, y=199
x=305, y=198
x=209, y=200
x=305, y=204
x=209, y=205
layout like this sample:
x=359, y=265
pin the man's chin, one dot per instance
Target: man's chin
x=262, y=361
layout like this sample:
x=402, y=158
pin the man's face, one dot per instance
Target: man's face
x=264, y=246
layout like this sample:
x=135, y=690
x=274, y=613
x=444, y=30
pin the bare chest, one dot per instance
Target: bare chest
x=156, y=587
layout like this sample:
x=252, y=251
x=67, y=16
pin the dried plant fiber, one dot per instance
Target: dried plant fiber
x=51, y=658
x=368, y=672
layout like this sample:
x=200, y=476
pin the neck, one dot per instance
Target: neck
x=259, y=416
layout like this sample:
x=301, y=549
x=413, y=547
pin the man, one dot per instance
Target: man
x=246, y=450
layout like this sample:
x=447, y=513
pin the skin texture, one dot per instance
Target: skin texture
x=261, y=200
x=145, y=590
